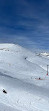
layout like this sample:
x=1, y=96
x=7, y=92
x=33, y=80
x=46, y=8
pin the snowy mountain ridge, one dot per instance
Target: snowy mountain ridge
x=20, y=71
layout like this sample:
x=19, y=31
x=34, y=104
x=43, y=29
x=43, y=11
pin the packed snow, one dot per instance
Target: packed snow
x=23, y=76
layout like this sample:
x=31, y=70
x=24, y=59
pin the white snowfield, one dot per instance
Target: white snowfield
x=20, y=71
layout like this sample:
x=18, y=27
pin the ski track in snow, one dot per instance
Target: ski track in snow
x=19, y=73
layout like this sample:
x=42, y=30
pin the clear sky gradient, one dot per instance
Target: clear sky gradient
x=25, y=22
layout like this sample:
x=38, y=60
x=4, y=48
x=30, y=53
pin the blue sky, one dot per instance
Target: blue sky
x=25, y=22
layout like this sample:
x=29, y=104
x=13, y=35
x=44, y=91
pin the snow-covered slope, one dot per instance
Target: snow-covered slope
x=20, y=71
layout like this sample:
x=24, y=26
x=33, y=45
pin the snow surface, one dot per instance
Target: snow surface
x=20, y=70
